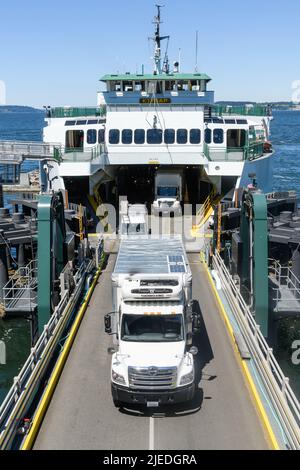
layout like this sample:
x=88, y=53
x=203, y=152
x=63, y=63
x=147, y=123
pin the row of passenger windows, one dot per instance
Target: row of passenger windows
x=169, y=136
x=235, y=137
x=155, y=136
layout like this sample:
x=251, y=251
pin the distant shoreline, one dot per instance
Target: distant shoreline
x=19, y=109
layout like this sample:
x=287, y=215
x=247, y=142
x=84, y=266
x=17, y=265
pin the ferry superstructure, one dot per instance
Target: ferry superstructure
x=166, y=119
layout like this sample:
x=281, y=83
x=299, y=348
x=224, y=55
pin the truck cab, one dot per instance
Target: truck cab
x=152, y=366
x=168, y=193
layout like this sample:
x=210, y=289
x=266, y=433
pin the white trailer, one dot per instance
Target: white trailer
x=152, y=323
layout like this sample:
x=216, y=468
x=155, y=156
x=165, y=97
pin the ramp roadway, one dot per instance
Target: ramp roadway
x=81, y=414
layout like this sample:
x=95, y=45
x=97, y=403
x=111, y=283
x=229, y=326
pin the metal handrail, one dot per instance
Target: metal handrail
x=289, y=279
x=247, y=152
x=284, y=401
x=80, y=153
x=11, y=409
x=28, y=147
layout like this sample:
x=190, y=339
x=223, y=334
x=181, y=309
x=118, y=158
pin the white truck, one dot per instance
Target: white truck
x=152, y=323
x=168, y=193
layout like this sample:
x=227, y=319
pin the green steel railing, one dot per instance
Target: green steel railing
x=233, y=154
x=77, y=112
x=255, y=110
x=78, y=154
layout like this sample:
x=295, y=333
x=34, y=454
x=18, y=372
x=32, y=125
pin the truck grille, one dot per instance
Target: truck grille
x=152, y=291
x=152, y=378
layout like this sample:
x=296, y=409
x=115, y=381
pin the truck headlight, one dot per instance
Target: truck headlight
x=118, y=378
x=187, y=379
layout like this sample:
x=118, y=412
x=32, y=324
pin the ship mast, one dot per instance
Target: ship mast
x=157, y=39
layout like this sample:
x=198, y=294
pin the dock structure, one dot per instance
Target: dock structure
x=81, y=414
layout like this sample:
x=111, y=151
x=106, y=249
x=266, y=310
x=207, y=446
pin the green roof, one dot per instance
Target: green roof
x=171, y=76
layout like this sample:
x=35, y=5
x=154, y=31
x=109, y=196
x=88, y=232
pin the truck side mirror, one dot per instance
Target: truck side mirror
x=196, y=323
x=194, y=351
x=107, y=324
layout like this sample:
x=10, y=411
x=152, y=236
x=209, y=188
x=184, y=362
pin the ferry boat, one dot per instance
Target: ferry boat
x=166, y=120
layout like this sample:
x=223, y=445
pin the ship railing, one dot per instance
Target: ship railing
x=243, y=110
x=281, y=195
x=286, y=278
x=72, y=112
x=233, y=154
x=279, y=391
x=83, y=155
x=10, y=150
x=21, y=393
x=19, y=293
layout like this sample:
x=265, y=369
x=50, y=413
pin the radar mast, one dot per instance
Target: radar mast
x=157, y=39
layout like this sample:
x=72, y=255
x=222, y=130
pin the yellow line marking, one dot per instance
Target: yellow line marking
x=42, y=408
x=251, y=385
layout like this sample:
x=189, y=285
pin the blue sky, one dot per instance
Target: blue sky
x=54, y=52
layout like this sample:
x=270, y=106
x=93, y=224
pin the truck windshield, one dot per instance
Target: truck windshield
x=167, y=191
x=152, y=329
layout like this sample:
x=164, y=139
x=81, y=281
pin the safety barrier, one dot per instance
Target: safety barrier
x=281, y=395
x=20, y=396
x=12, y=150
x=205, y=211
x=19, y=294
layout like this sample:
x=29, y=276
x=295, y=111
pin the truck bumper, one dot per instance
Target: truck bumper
x=162, y=397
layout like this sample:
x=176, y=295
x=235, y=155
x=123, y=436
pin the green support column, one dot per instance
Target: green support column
x=51, y=236
x=261, y=284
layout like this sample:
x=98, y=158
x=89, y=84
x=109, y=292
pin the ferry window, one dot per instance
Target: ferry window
x=170, y=85
x=114, y=136
x=93, y=121
x=81, y=123
x=118, y=86
x=127, y=136
x=169, y=136
x=203, y=85
x=91, y=136
x=70, y=123
x=241, y=121
x=74, y=140
x=207, y=136
x=236, y=138
x=229, y=121
x=128, y=86
x=217, y=120
x=182, y=136
x=183, y=86
x=195, y=85
x=154, y=136
x=138, y=86
x=195, y=136
x=151, y=87
x=159, y=87
x=218, y=136
x=101, y=136
x=139, y=136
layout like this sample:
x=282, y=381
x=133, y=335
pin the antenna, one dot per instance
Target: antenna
x=196, y=61
x=157, y=39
